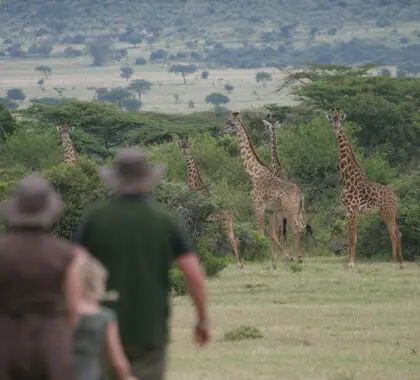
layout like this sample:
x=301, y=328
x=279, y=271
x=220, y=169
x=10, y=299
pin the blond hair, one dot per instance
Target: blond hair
x=93, y=279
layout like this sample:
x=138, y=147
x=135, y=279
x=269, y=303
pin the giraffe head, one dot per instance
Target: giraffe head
x=336, y=117
x=232, y=124
x=64, y=129
x=184, y=145
x=271, y=124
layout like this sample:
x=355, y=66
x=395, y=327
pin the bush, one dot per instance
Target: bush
x=243, y=332
x=253, y=246
x=141, y=61
x=79, y=185
x=177, y=282
x=213, y=265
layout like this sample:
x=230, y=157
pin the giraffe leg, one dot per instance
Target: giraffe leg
x=352, y=223
x=298, y=235
x=399, y=247
x=234, y=241
x=259, y=211
x=283, y=235
x=275, y=244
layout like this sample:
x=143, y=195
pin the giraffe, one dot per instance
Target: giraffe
x=360, y=196
x=270, y=194
x=195, y=183
x=70, y=154
x=278, y=171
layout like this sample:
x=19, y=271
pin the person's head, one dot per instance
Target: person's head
x=131, y=173
x=34, y=204
x=93, y=277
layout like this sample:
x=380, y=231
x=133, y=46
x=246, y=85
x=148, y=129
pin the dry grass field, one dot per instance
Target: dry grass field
x=325, y=322
x=76, y=76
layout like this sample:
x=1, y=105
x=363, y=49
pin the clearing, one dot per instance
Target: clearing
x=325, y=322
x=76, y=76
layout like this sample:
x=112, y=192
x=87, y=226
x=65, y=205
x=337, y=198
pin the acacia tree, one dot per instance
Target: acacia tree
x=184, y=70
x=263, y=77
x=216, y=99
x=16, y=94
x=100, y=50
x=140, y=86
x=126, y=73
x=46, y=70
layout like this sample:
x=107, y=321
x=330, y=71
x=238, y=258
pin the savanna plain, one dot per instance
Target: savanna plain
x=322, y=321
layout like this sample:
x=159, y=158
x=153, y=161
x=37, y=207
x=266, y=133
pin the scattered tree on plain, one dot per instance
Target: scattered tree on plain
x=140, y=86
x=16, y=94
x=217, y=99
x=228, y=88
x=263, y=77
x=184, y=70
x=46, y=70
x=126, y=73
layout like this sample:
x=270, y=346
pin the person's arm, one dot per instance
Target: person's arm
x=188, y=262
x=115, y=352
x=72, y=286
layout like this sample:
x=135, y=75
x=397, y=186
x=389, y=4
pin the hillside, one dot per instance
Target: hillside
x=138, y=13
x=239, y=34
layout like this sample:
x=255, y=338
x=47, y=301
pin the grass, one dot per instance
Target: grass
x=324, y=322
x=76, y=76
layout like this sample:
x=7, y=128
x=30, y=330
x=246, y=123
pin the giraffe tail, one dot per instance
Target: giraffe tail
x=305, y=226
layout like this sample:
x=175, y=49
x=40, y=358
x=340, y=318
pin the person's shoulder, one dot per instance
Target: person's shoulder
x=97, y=206
x=162, y=212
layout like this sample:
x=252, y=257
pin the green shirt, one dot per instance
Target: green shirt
x=137, y=240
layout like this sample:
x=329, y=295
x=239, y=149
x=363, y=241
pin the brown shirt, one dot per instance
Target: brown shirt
x=34, y=328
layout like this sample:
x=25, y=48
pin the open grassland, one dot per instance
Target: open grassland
x=76, y=76
x=324, y=322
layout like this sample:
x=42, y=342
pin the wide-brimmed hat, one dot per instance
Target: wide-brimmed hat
x=34, y=203
x=131, y=173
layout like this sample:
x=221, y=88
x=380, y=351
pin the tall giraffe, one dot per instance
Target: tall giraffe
x=361, y=196
x=270, y=194
x=195, y=183
x=70, y=154
x=279, y=172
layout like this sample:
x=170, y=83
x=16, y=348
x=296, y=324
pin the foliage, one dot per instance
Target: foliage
x=140, y=86
x=263, y=77
x=16, y=94
x=44, y=69
x=79, y=185
x=126, y=72
x=7, y=124
x=228, y=88
x=99, y=49
x=177, y=282
x=217, y=99
x=213, y=265
x=31, y=150
x=141, y=61
x=184, y=70
x=243, y=332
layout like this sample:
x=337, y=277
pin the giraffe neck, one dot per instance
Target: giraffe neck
x=347, y=162
x=254, y=167
x=275, y=162
x=194, y=179
x=70, y=155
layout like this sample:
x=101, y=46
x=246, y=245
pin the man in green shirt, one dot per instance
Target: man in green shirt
x=138, y=241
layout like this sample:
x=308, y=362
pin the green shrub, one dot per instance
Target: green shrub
x=213, y=265
x=252, y=245
x=243, y=332
x=177, y=282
